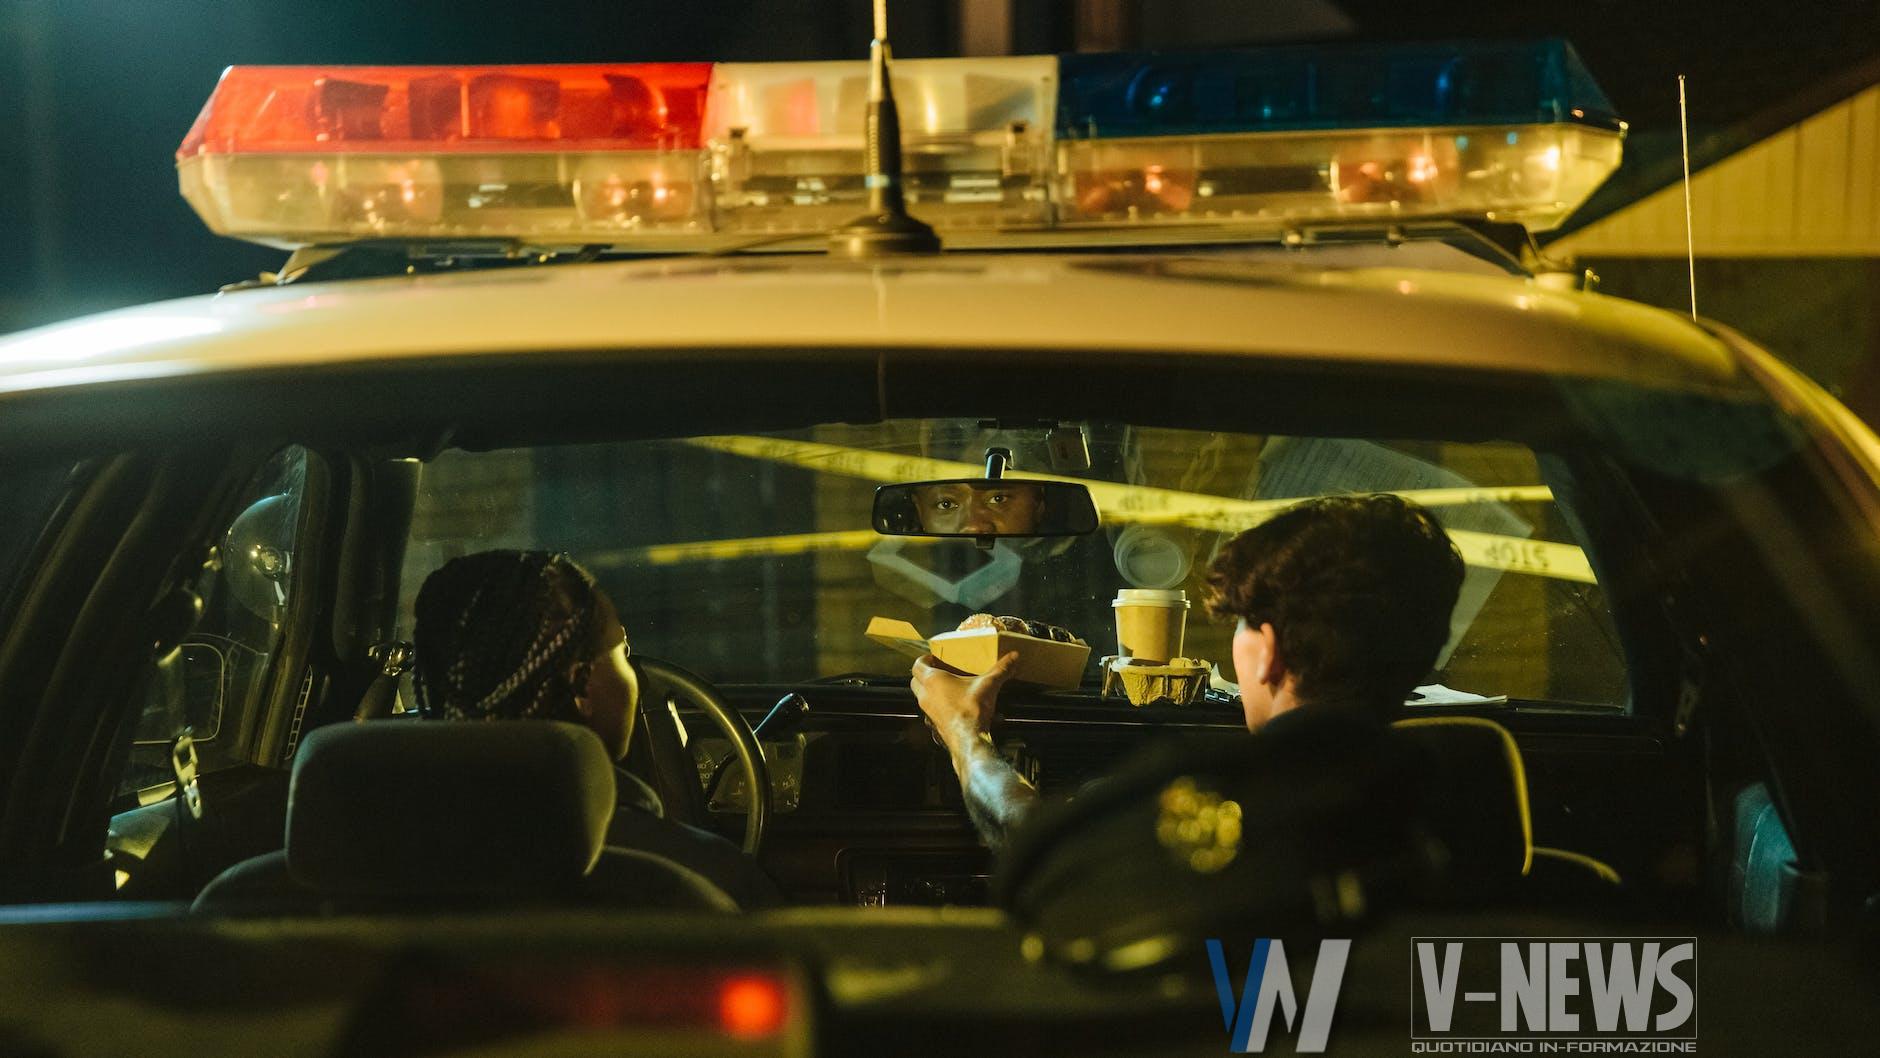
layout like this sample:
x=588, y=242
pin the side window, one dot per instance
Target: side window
x=214, y=684
x=30, y=495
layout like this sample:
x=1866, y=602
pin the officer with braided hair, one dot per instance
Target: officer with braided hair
x=529, y=635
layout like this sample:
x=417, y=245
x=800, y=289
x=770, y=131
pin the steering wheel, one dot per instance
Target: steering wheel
x=662, y=681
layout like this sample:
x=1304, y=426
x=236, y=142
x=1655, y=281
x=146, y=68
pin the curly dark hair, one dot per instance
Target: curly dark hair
x=1359, y=591
x=508, y=635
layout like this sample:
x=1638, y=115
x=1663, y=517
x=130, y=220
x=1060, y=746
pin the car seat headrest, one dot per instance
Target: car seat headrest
x=1474, y=799
x=430, y=807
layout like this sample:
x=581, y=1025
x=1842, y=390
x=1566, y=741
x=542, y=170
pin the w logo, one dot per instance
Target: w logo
x=1269, y=988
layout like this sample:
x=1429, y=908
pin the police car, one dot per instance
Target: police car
x=682, y=321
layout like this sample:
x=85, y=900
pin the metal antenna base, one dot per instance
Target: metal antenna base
x=883, y=234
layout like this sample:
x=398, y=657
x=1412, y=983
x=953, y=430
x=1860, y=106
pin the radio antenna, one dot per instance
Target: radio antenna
x=887, y=228
x=1690, y=239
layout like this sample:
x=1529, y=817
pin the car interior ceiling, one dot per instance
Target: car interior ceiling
x=1672, y=796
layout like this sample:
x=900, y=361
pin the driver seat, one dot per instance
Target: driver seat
x=427, y=816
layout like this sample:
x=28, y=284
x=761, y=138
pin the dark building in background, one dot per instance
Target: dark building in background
x=1784, y=227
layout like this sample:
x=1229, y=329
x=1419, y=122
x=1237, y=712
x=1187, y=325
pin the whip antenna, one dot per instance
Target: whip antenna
x=886, y=228
x=1690, y=240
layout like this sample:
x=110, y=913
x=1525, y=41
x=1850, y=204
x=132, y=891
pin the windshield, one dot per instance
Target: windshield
x=751, y=560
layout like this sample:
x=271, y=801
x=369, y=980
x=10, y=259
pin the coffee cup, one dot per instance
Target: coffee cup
x=1151, y=622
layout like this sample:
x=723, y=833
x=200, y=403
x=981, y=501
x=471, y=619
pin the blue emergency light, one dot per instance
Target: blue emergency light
x=1327, y=87
x=1294, y=135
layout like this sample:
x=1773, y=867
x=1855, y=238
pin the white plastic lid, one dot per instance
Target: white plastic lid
x=1150, y=558
x=1172, y=597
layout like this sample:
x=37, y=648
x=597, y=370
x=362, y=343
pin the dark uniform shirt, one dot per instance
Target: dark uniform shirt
x=640, y=823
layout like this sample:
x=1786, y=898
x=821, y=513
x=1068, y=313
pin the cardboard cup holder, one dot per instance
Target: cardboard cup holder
x=1178, y=681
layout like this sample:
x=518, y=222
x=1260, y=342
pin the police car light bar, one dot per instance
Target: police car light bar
x=1074, y=147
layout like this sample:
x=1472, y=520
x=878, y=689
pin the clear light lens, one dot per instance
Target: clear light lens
x=1531, y=174
x=563, y=199
x=975, y=133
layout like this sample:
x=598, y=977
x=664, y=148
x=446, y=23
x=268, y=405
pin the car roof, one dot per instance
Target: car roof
x=1287, y=309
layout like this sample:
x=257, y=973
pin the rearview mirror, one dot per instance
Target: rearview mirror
x=985, y=508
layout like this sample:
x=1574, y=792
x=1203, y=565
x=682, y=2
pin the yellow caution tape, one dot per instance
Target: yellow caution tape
x=1518, y=554
x=1483, y=550
x=1118, y=502
x=750, y=547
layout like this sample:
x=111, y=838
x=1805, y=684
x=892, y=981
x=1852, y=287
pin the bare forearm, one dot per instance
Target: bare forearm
x=997, y=797
x=960, y=709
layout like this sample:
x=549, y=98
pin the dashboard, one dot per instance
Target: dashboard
x=866, y=808
x=868, y=811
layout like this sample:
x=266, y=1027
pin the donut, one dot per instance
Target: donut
x=1018, y=626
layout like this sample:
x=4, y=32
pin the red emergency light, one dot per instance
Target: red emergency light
x=543, y=154
x=429, y=109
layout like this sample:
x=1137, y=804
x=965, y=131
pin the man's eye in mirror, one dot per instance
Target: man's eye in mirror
x=985, y=507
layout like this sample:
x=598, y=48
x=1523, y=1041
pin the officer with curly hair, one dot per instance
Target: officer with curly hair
x=1341, y=605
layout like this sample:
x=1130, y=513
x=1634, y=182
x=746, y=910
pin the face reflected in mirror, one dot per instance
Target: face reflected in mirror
x=984, y=508
x=963, y=508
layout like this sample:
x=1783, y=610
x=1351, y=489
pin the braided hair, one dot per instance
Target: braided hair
x=508, y=635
